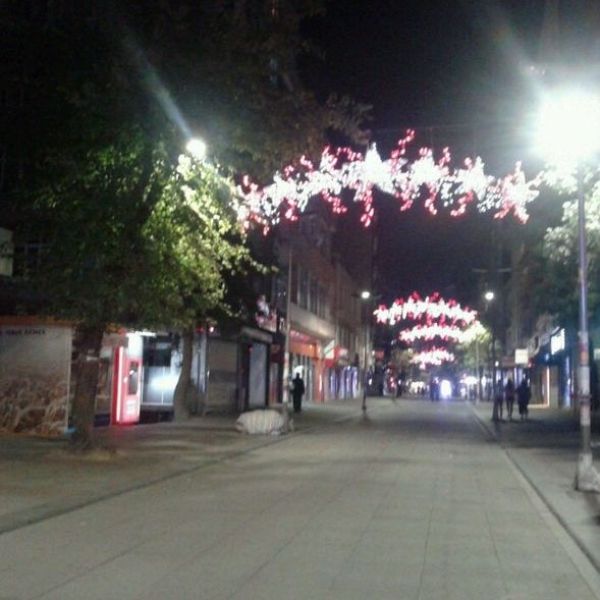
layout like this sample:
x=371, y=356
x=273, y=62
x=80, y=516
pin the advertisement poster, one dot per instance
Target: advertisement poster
x=35, y=362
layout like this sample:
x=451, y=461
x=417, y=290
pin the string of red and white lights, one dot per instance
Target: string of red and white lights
x=431, y=307
x=439, y=184
x=447, y=333
x=434, y=357
x=432, y=320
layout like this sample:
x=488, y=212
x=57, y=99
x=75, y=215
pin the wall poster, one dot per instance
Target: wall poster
x=35, y=364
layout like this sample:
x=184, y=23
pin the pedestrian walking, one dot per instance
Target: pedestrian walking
x=434, y=389
x=509, y=397
x=297, y=392
x=523, y=397
x=497, y=407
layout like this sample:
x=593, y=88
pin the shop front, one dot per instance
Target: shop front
x=305, y=359
x=551, y=373
x=342, y=377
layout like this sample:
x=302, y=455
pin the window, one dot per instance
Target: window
x=303, y=288
x=294, y=290
x=133, y=378
x=28, y=259
x=314, y=296
x=279, y=292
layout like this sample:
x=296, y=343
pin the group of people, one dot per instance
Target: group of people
x=522, y=393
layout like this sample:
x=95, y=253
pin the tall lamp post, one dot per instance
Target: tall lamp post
x=568, y=135
x=365, y=296
x=489, y=298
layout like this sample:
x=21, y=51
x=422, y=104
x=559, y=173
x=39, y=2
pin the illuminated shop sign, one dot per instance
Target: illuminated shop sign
x=557, y=342
x=521, y=356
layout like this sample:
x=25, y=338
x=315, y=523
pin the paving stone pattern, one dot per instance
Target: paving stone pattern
x=415, y=501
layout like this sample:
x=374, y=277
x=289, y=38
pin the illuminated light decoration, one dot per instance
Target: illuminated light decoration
x=435, y=322
x=408, y=181
x=434, y=357
x=431, y=307
x=430, y=332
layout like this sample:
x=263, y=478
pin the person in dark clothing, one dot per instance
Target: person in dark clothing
x=509, y=397
x=434, y=389
x=523, y=397
x=297, y=392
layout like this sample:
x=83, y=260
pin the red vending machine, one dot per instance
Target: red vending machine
x=126, y=388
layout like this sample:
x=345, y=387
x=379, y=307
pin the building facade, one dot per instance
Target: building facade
x=325, y=323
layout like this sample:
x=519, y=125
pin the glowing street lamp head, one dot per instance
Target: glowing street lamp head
x=197, y=148
x=568, y=127
x=365, y=295
x=489, y=296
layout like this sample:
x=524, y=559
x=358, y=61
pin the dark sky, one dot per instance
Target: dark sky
x=457, y=71
x=424, y=62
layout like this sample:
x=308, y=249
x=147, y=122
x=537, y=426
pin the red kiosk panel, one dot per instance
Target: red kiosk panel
x=126, y=388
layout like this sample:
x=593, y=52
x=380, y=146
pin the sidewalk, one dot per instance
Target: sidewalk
x=544, y=449
x=41, y=478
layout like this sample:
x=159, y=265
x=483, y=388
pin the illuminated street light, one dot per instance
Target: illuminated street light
x=568, y=134
x=365, y=295
x=197, y=148
x=489, y=296
x=568, y=127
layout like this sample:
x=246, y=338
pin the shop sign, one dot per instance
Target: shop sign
x=557, y=342
x=329, y=350
x=521, y=356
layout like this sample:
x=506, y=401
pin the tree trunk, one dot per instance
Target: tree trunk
x=182, y=389
x=88, y=343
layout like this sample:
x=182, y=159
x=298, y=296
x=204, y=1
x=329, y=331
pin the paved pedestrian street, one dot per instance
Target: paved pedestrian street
x=414, y=501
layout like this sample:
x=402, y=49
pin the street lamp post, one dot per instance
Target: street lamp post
x=489, y=297
x=285, y=397
x=365, y=296
x=586, y=473
x=477, y=367
x=569, y=133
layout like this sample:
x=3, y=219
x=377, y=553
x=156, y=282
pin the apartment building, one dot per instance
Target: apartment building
x=326, y=321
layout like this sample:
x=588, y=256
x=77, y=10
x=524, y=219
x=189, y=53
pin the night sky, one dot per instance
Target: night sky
x=457, y=72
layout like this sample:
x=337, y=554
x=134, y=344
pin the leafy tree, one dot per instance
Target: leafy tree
x=126, y=247
x=230, y=66
x=196, y=244
x=131, y=236
x=555, y=278
x=476, y=351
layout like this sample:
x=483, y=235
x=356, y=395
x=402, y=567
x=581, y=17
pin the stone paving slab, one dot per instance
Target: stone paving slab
x=412, y=502
x=545, y=450
x=40, y=478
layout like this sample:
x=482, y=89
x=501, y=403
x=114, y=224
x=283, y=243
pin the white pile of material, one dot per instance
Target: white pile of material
x=261, y=422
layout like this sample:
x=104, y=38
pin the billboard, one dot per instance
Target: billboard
x=35, y=365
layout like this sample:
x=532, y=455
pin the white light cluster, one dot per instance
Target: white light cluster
x=426, y=178
x=432, y=307
x=430, y=332
x=434, y=357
